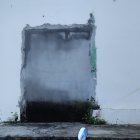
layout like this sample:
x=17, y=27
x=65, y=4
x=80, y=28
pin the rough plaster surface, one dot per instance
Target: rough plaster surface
x=56, y=69
x=57, y=65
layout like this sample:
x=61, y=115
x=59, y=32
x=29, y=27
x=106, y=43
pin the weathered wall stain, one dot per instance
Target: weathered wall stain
x=57, y=68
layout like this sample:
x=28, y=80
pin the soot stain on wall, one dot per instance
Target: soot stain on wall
x=56, y=73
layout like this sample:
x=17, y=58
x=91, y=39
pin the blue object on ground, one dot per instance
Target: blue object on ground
x=83, y=132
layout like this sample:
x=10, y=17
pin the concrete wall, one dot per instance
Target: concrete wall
x=56, y=69
x=117, y=42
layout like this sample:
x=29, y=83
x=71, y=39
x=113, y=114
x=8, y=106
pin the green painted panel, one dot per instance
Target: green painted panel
x=93, y=61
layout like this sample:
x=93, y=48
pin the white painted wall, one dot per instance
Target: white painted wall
x=117, y=42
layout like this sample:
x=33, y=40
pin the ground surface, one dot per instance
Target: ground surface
x=66, y=131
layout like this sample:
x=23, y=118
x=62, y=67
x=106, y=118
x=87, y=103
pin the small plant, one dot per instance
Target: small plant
x=88, y=118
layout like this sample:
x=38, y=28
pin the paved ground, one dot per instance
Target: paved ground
x=47, y=131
